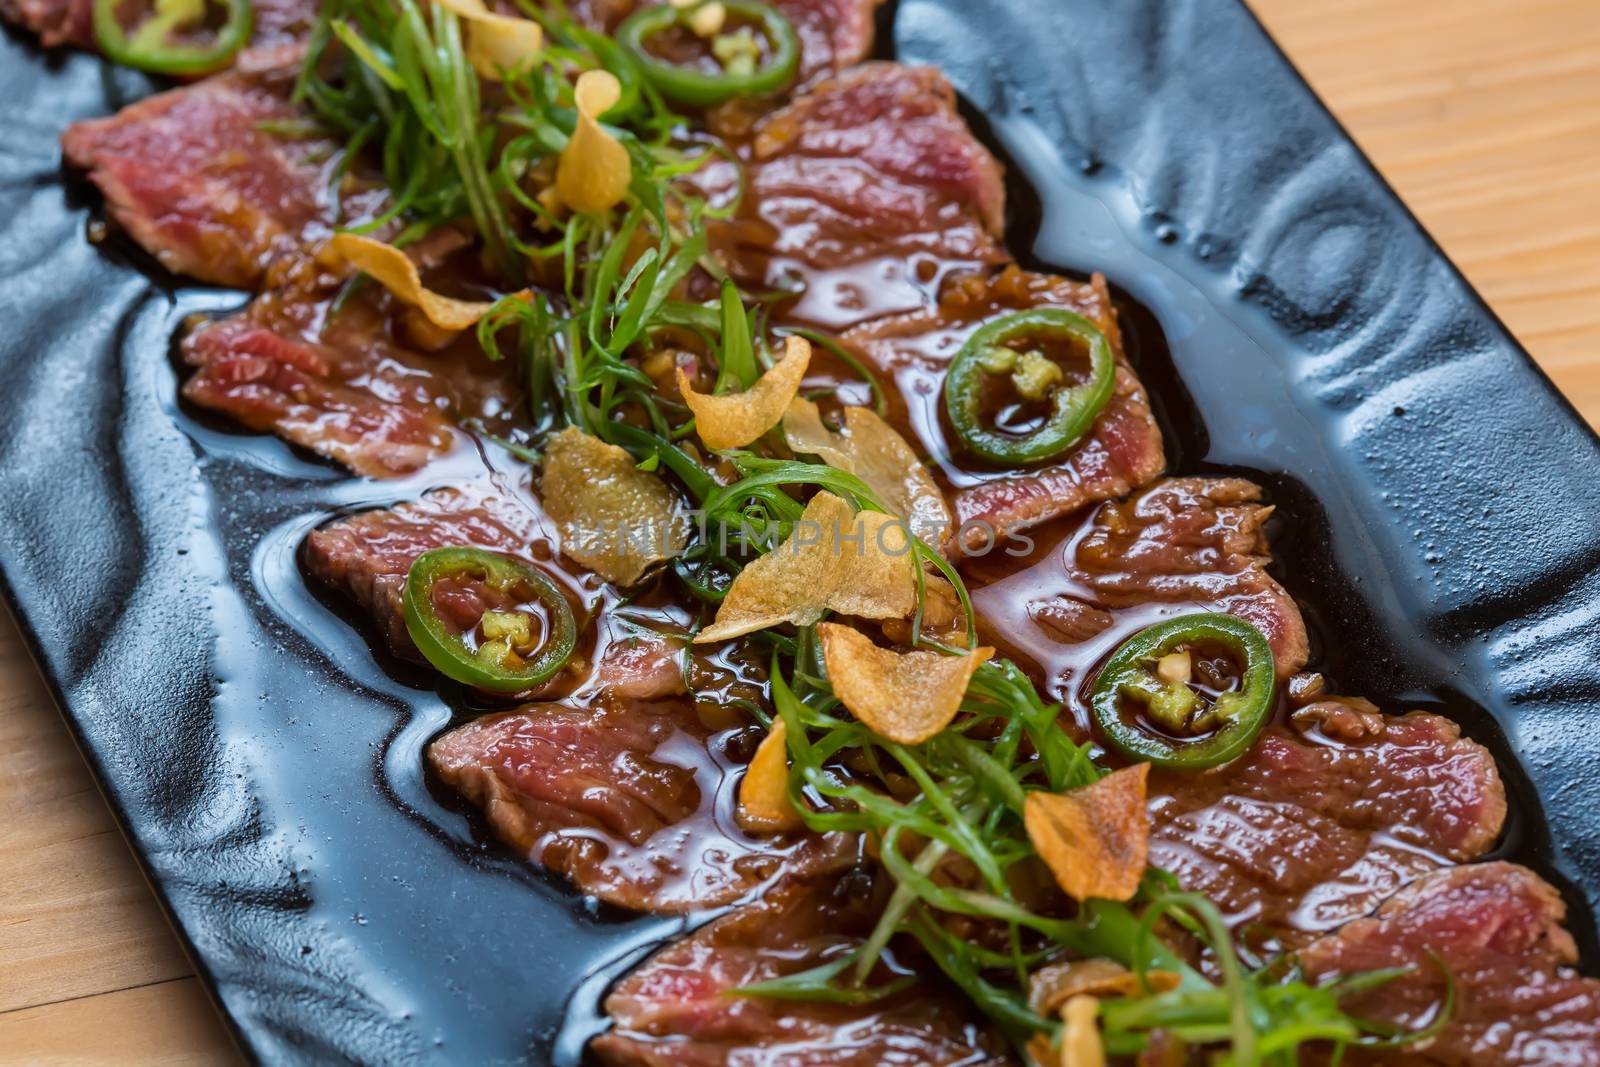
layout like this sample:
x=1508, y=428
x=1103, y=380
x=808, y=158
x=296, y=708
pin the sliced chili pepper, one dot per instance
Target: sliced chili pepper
x=1179, y=727
x=700, y=88
x=1073, y=409
x=153, y=46
x=502, y=657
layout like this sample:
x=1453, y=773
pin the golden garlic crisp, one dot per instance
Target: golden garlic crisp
x=1050, y=987
x=835, y=560
x=496, y=43
x=393, y=269
x=1080, y=1036
x=869, y=448
x=593, y=172
x=764, y=805
x=614, y=518
x=733, y=420
x=903, y=696
x=1095, y=840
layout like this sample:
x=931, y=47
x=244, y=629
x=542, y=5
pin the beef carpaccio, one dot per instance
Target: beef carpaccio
x=797, y=561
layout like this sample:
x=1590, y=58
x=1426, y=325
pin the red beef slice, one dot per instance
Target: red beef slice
x=195, y=179
x=1315, y=824
x=1310, y=829
x=367, y=556
x=1497, y=927
x=1091, y=581
x=277, y=22
x=345, y=385
x=56, y=22
x=834, y=34
x=869, y=188
x=624, y=799
x=674, y=1010
x=1120, y=453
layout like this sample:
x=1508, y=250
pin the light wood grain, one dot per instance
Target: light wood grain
x=1485, y=117
x=68, y=928
x=169, y=1023
x=1484, y=114
x=89, y=969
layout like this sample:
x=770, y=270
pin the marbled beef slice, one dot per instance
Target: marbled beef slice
x=675, y=1011
x=1121, y=452
x=624, y=799
x=1498, y=928
x=197, y=176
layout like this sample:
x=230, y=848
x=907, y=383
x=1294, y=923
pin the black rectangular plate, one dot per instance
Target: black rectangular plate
x=1439, y=504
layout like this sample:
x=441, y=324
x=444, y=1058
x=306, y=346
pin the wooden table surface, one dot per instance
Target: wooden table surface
x=1484, y=114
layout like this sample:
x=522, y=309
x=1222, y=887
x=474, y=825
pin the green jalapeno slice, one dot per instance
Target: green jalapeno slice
x=1073, y=408
x=1173, y=723
x=745, y=71
x=507, y=651
x=156, y=46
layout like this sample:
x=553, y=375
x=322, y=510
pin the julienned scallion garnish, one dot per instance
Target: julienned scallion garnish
x=598, y=295
x=966, y=813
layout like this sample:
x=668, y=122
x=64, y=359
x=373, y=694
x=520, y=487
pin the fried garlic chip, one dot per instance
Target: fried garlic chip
x=1049, y=988
x=1095, y=840
x=943, y=618
x=764, y=805
x=733, y=420
x=903, y=696
x=497, y=43
x=395, y=271
x=1040, y=1052
x=593, y=171
x=834, y=560
x=614, y=518
x=869, y=448
x=1080, y=1036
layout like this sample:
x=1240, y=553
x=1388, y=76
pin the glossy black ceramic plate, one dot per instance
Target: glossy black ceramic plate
x=1438, y=503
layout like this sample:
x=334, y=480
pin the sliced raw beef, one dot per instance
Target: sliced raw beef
x=280, y=24
x=629, y=801
x=195, y=178
x=869, y=189
x=343, y=385
x=1318, y=824
x=367, y=556
x=71, y=22
x=1497, y=928
x=834, y=34
x=1090, y=582
x=56, y=22
x=675, y=1011
x=1119, y=454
